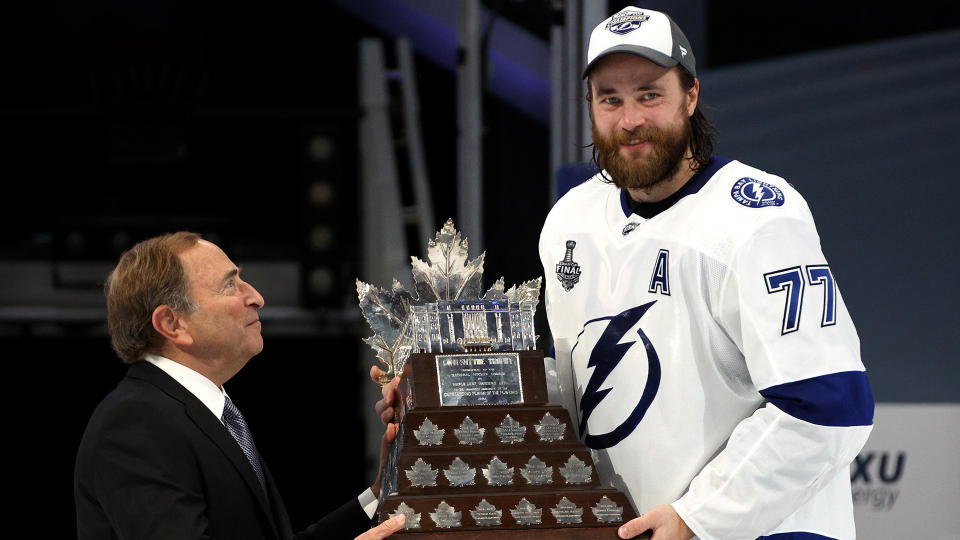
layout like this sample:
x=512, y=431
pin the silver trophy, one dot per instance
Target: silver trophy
x=448, y=313
x=472, y=387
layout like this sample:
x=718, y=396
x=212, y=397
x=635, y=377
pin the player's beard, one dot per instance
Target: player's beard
x=668, y=148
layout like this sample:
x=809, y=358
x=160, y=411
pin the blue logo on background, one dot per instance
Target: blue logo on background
x=753, y=193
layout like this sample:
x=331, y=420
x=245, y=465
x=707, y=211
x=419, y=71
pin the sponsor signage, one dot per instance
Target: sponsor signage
x=906, y=480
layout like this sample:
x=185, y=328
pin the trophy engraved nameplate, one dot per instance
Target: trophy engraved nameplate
x=576, y=471
x=567, y=512
x=536, y=472
x=498, y=474
x=607, y=511
x=550, y=429
x=479, y=379
x=469, y=432
x=486, y=514
x=525, y=513
x=445, y=516
x=422, y=474
x=473, y=399
x=510, y=431
x=428, y=434
x=412, y=520
x=460, y=474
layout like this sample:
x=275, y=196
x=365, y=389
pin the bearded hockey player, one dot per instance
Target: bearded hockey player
x=715, y=370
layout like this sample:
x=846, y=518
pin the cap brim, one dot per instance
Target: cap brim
x=653, y=55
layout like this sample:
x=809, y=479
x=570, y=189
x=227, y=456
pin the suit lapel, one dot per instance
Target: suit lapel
x=211, y=426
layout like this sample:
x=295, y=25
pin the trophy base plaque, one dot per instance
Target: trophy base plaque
x=510, y=468
x=583, y=533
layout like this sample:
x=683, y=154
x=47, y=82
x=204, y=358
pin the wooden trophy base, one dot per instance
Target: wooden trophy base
x=568, y=533
x=512, y=470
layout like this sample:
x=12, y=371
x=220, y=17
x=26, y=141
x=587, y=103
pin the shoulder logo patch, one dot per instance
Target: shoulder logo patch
x=753, y=193
x=624, y=23
x=568, y=271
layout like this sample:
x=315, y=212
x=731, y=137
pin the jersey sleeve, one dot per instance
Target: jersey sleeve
x=780, y=304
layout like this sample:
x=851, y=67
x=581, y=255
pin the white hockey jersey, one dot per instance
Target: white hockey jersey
x=713, y=363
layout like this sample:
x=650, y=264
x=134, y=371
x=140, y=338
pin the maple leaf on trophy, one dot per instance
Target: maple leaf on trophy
x=528, y=291
x=449, y=276
x=387, y=312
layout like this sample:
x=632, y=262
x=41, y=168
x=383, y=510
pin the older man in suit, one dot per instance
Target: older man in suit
x=167, y=454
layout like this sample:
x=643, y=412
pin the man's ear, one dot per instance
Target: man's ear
x=693, y=97
x=171, y=325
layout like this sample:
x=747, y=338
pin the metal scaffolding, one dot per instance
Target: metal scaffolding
x=569, y=122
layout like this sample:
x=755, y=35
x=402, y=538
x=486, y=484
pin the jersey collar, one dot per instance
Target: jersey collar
x=648, y=210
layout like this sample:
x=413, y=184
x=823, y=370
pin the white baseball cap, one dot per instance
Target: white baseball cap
x=644, y=32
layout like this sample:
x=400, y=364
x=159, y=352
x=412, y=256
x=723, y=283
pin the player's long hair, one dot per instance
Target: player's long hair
x=702, y=131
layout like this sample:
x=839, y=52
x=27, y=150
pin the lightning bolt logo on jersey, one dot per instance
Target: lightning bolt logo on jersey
x=617, y=342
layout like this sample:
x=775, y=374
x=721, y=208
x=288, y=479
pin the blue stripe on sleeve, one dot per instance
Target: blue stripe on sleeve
x=837, y=399
x=796, y=536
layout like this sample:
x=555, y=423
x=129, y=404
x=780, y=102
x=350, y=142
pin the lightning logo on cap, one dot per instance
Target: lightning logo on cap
x=626, y=21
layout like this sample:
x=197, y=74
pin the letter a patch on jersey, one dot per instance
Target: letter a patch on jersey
x=660, y=280
x=568, y=271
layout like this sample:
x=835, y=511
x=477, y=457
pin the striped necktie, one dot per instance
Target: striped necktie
x=237, y=427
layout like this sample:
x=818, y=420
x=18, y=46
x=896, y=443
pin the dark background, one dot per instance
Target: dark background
x=121, y=120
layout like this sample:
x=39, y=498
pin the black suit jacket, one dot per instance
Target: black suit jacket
x=154, y=462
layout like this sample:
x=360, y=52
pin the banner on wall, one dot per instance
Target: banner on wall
x=906, y=480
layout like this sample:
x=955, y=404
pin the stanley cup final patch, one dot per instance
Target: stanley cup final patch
x=568, y=271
